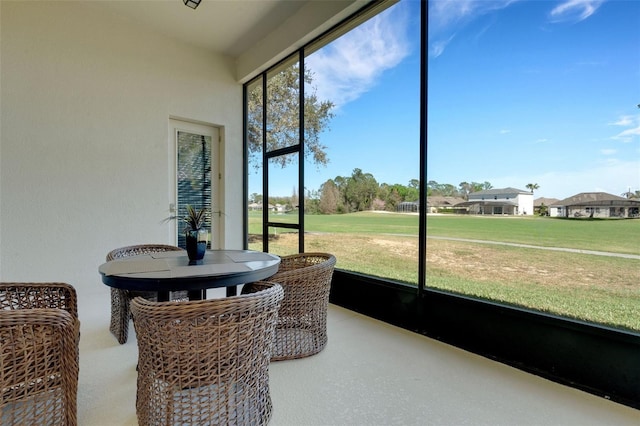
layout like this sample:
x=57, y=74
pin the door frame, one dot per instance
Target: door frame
x=215, y=132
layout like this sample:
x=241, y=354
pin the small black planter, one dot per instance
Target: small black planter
x=196, y=245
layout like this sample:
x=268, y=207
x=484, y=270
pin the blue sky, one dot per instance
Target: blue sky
x=520, y=92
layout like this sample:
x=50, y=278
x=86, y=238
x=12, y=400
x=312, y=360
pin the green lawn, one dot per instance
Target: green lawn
x=599, y=289
x=618, y=236
x=362, y=223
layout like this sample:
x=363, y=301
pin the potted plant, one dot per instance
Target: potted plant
x=195, y=234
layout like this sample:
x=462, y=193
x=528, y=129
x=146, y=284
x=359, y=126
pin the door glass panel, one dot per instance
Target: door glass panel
x=193, y=178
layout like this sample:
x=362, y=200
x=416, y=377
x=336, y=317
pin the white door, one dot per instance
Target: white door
x=194, y=176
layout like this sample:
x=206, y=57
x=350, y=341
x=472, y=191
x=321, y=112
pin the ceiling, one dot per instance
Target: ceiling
x=228, y=27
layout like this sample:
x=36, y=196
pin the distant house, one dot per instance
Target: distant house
x=595, y=204
x=279, y=208
x=505, y=201
x=542, y=203
x=437, y=204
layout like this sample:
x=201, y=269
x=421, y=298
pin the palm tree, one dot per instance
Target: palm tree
x=532, y=186
x=629, y=194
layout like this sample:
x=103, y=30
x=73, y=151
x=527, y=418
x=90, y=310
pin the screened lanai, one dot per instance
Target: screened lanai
x=90, y=96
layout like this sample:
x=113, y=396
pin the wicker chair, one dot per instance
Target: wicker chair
x=302, y=319
x=206, y=361
x=120, y=299
x=39, y=338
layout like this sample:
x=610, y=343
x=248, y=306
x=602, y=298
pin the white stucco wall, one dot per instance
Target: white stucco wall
x=84, y=154
x=525, y=203
x=554, y=212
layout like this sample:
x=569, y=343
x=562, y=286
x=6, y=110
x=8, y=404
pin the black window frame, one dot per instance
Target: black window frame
x=597, y=359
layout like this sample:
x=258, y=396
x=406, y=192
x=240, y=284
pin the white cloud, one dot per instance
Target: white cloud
x=505, y=131
x=447, y=17
x=574, y=10
x=608, y=151
x=444, y=14
x=627, y=135
x=353, y=64
x=437, y=47
x=625, y=120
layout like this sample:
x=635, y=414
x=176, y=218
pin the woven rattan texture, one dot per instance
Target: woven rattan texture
x=121, y=299
x=39, y=342
x=206, y=362
x=302, y=319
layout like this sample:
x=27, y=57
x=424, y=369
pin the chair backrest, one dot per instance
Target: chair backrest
x=315, y=261
x=39, y=341
x=17, y=295
x=221, y=346
x=140, y=249
x=308, y=276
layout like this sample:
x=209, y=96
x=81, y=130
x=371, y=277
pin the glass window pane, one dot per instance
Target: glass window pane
x=283, y=189
x=254, y=167
x=283, y=241
x=362, y=139
x=532, y=164
x=283, y=106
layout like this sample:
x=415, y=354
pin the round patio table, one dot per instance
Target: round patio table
x=170, y=271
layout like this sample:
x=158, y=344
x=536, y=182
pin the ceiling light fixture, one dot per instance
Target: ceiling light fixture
x=192, y=3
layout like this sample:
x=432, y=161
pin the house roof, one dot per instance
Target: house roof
x=440, y=201
x=546, y=201
x=596, y=199
x=487, y=203
x=497, y=191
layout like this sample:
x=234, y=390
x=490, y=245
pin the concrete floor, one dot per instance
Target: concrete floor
x=370, y=373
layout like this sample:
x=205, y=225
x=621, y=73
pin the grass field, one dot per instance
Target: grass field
x=584, y=286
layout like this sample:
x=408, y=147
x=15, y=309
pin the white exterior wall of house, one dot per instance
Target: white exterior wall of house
x=525, y=203
x=556, y=211
x=522, y=199
x=84, y=143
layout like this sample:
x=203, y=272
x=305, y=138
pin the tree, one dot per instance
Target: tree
x=360, y=190
x=432, y=188
x=448, y=190
x=544, y=210
x=532, y=186
x=413, y=190
x=255, y=198
x=329, y=198
x=311, y=202
x=464, y=189
x=442, y=189
x=394, y=194
x=283, y=90
x=294, y=198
